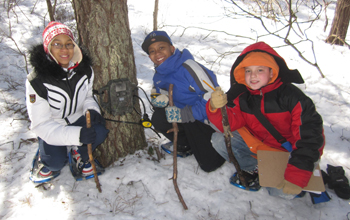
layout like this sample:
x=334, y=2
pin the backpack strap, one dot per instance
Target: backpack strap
x=200, y=75
x=266, y=123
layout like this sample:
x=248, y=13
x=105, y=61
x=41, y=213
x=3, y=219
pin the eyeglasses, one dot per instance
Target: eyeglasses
x=60, y=46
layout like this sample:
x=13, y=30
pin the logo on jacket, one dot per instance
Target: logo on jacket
x=191, y=88
x=32, y=98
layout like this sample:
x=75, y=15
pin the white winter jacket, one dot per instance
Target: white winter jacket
x=55, y=101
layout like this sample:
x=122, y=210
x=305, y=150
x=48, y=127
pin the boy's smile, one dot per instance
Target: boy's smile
x=63, y=55
x=257, y=76
x=160, y=51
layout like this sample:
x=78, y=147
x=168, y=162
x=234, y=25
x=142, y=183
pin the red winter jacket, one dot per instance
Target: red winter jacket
x=287, y=108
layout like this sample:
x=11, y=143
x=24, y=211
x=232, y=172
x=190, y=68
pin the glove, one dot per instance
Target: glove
x=159, y=101
x=218, y=99
x=87, y=135
x=289, y=188
x=173, y=114
x=96, y=118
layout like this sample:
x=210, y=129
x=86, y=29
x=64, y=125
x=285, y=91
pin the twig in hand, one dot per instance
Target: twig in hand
x=91, y=158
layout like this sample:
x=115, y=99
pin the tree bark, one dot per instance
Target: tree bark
x=340, y=23
x=51, y=10
x=103, y=28
x=155, y=16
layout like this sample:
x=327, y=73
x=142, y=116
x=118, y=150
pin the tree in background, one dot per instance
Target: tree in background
x=340, y=23
x=51, y=9
x=155, y=15
x=103, y=28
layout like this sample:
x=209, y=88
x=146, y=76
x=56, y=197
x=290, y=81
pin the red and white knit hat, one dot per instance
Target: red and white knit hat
x=54, y=29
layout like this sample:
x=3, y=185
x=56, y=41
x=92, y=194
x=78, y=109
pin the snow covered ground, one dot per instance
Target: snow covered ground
x=136, y=187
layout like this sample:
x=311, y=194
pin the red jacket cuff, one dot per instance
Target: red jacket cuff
x=297, y=176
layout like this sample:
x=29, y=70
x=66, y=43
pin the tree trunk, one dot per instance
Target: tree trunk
x=340, y=23
x=103, y=28
x=51, y=10
x=155, y=16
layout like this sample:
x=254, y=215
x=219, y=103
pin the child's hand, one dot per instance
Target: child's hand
x=87, y=135
x=218, y=99
x=289, y=188
x=173, y=114
x=159, y=101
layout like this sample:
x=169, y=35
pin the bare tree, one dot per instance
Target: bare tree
x=340, y=23
x=103, y=28
x=284, y=13
x=51, y=9
x=155, y=15
x=7, y=32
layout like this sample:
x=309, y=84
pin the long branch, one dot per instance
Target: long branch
x=175, y=130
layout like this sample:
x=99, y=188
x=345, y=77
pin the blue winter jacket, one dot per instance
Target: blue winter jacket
x=190, y=93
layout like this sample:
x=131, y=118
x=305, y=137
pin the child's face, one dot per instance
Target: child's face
x=63, y=55
x=257, y=76
x=160, y=51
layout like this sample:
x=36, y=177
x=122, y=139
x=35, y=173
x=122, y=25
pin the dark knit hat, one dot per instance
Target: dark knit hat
x=52, y=30
x=155, y=36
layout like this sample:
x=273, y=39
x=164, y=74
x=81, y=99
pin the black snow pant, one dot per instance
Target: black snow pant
x=196, y=135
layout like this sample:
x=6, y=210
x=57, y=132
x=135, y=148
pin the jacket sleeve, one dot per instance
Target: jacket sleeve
x=90, y=102
x=198, y=108
x=44, y=125
x=307, y=129
x=233, y=113
x=214, y=117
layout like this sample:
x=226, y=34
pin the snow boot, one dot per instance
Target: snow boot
x=84, y=167
x=338, y=181
x=39, y=173
x=182, y=151
x=251, y=179
x=82, y=170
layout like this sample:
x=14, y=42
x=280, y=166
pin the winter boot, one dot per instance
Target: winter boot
x=84, y=167
x=45, y=172
x=82, y=170
x=252, y=180
x=39, y=173
x=182, y=151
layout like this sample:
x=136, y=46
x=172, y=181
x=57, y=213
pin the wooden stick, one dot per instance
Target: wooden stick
x=228, y=134
x=89, y=146
x=175, y=130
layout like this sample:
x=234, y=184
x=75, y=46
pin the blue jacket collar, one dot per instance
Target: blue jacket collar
x=173, y=63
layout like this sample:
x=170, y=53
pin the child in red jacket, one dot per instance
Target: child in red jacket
x=261, y=80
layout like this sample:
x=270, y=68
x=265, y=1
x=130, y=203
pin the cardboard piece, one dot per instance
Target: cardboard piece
x=272, y=165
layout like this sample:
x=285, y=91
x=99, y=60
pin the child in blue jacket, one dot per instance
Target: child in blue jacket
x=191, y=92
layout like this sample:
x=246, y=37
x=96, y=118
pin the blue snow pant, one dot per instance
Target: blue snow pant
x=55, y=157
x=239, y=148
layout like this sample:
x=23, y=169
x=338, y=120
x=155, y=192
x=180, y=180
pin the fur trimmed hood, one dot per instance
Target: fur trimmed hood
x=45, y=67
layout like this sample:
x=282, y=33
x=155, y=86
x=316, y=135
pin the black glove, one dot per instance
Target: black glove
x=96, y=118
x=87, y=135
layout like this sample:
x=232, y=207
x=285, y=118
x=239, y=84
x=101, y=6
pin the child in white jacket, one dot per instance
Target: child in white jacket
x=58, y=94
